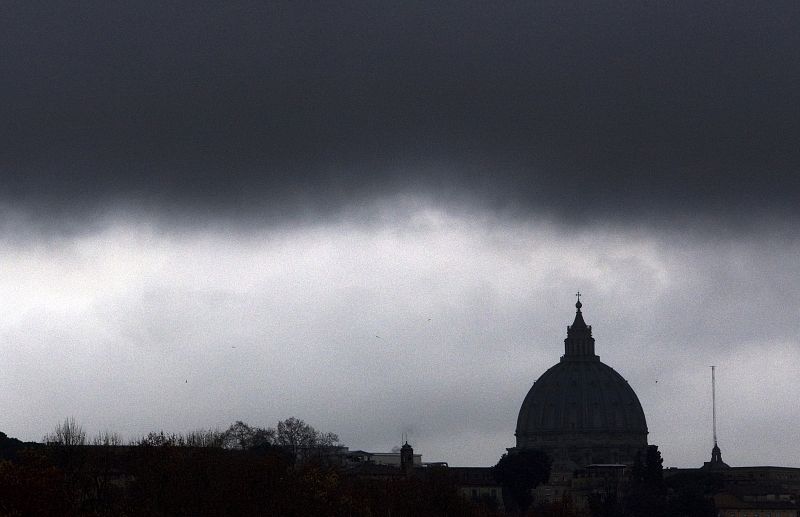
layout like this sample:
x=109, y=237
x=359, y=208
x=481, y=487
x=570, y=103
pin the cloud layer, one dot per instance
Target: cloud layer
x=619, y=110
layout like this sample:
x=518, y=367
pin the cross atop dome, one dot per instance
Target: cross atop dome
x=578, y=324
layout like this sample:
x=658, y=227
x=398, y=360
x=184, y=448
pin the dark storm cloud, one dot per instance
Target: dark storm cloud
x=630, y=109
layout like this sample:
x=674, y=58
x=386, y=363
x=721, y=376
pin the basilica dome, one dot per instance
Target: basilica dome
x=581, y=411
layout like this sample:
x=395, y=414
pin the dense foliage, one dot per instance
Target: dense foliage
x=521, y=472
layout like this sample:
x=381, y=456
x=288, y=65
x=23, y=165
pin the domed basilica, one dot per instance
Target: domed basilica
x=581, y=411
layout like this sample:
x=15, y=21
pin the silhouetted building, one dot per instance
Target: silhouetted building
x=734, y=505
x=406, y=459
x=477, y=484
x=587, y=418
x=389, y=459
x=761, y=491
x=580, y=411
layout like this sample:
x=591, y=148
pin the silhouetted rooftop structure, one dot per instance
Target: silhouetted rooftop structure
x=581, y=411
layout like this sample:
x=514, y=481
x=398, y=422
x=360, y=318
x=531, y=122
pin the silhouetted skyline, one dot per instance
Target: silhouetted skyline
x=211, y=212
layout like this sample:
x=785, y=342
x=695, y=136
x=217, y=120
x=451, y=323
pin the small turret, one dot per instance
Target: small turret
x=407, y=459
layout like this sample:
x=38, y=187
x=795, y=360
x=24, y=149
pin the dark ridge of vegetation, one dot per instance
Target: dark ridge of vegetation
x=10, y=447
x=194, y=481
x=242, y=471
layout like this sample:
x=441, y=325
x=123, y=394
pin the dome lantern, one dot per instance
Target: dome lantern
x=579, y=344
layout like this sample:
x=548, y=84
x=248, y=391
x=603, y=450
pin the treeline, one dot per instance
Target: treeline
x=242, y=471
x=291, y=434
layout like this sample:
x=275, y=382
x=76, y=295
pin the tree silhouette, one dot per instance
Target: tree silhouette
x=647, y=496
x=107, y=438
x=68, y=433
x=301, y=440
x=522, y=471
x=243, y=436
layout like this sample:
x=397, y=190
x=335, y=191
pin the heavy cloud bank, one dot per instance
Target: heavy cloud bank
x=630, y=111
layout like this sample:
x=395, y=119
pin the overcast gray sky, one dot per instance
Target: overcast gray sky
x=374, y=216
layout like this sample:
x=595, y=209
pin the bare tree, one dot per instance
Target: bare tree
x=295, y=434
x=68, y=433
x=204, y=438
x=242, y=436
x=327, y=439
x=300, y=439
x=159, y=439
x=238, y=436
x=107, y=438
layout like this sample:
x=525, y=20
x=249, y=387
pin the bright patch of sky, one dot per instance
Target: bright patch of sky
x=427, y=322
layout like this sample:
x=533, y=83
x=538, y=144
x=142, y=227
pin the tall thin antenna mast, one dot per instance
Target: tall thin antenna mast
x=716, y=455
x=714, y=403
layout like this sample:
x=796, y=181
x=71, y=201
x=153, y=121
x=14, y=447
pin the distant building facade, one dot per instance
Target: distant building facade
x=390, y=459
x=760, y=491
x=750, y=491
x=478, y=485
